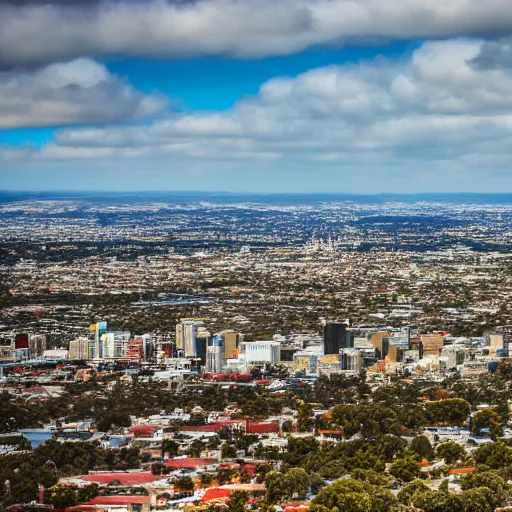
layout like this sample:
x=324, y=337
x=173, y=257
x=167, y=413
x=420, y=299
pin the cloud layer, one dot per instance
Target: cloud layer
x=77, y=92
x=436, y=108
x=36, y=32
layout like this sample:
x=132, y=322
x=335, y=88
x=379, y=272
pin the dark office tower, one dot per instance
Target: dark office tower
x=408, y=332
x=336, y=337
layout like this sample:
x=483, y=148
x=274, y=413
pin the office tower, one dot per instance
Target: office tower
x=215, y=355
x=261, y=352
x=135, y=349
x=97, y=331
x=148, y=346
x=351, y=359
x=80, y=349
x=432, y=344
x=336, y=337
x=36, y=345
x=180, y=341
x=231, y=342
x=191, y=330
x=114, y=344
x=380, y=342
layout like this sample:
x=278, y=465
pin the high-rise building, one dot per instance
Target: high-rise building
x=215, y=355
x=431, y=344
x=337, y=337
x=135, y=349
x=114, y=344
x=351, y=359
x=192, y=330
x=148, y=346
x=231, y=342
x=97, y=331
x=36, y=345
x=261, y=352
x=80, y=349
x=180, y=340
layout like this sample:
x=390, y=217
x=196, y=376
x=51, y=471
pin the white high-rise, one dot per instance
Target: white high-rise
x=262, y=352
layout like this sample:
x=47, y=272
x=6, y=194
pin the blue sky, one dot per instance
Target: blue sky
x=309, y=95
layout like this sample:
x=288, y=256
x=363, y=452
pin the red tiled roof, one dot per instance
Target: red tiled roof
x=215, y=494
x=198, y=428
x=190, y=463
x=461, y=471
x=119, y=500
x=124, y=478
x=249, y=468
x=301, y=505
x=148, y=428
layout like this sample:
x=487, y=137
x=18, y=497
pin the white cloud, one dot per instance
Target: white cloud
x=77, y=92
x=40, y=32
x=434, y=110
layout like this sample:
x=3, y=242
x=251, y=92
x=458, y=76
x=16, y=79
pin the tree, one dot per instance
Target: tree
x=185, y=484
x=228, y=451
x=489, y=479
x=299, y=448
x=87, y=493
x=170, y=448
x=488, y=418
x=157, y=468
x=454, y=411
x=287, y=426
x=431, y=501
x=305, y=417
x=405, y=469
x=277, y=486
x=63, y=496
x=481, y=499
x=316, y=482
x=421, y=445
x=494, y=455
x=298, y=482
x=344, y=495
x=372, y=477
x=237, y=501
x=450, y=451
x=195, y=448
x=333, y=469
x=382, y=500
x=409, y=492
x=389, y=445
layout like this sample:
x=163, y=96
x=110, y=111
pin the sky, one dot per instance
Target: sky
x=349, y=96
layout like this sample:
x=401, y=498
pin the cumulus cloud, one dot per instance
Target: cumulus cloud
x=77, y=92
x=34, y=32
x=435, y=108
